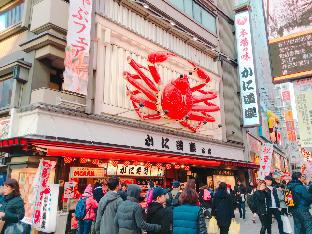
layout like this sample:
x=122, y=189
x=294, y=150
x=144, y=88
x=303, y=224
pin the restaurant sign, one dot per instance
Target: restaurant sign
x=134, y=170
x=266, y=160
x=86, y=172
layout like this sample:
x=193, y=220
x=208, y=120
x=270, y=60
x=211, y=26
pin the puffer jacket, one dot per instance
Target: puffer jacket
x=302, y=197
x=260, y=202
x=129, y=216
x=188, y=219
x=13, y=207
x=91, y=205
x=222, y=208
x=157, y=214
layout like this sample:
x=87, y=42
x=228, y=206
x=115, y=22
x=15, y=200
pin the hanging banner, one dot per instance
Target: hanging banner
x=266, y=159
x=48, y=210
x=289, y=32
x=41, y=189
x=78, y=46
x=134, y=170
x=248, y=88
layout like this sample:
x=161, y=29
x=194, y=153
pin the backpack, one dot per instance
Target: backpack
x=251, y=202
x=81, y=209
x=207, y=195
x=174, y=201
x=289, y=198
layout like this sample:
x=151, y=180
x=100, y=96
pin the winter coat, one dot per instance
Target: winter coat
x=269, y=198
x=157, y=214
x=98, y=193
x=122, y=194
x=260, y=202
x=188, y=219
x=281, y=199
x=106, y=213
x=129, y=216
x=302, y=197
x=222, y=208
x=13, y=207
x=91, y=205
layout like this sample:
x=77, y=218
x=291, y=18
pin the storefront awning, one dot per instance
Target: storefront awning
x=67, y=148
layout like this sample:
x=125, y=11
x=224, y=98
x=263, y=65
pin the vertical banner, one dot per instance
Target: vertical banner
x=266, y=159
x=41, y=190
x=248, y=87
x=78, y=46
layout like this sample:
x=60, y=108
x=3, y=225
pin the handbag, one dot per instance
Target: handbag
x=286, y=224
x=234, y=227
x=213, y=227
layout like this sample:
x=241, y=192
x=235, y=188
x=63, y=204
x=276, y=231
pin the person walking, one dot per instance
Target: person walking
x=129, y=216
x=188, y=218
x=173, y=195
x=303, y=200
x=98, y=191
x=260, y=207
x=240, y=193
x=273, y=203
x=107, y=208
x=158, y=214
x=250, y=191
x=12, y=207
x=84, y=225
x=222, y=208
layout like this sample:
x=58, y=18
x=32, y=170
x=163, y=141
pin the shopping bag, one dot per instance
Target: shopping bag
x=213, y=226
x=1, y=225
x=234, y=227
x=286, y=224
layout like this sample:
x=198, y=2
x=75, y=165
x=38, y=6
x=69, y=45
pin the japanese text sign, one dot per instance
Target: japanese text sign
x=265, y=161
x=86, y=172
x=134, y=170
x=247, y=77
x=78, y=46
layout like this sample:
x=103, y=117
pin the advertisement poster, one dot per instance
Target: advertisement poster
x=69, y=189
x=289, y=30
x=78, y=46
x=265, y=161
x=248, y=87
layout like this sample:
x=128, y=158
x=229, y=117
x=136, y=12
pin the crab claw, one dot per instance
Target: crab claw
x=200, y=72
x=159, y=57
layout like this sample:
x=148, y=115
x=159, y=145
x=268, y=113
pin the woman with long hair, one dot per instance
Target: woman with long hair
x=222, y=208
x=12, y=207
x=188, y=217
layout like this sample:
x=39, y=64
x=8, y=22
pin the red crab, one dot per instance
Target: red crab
x=177, y=100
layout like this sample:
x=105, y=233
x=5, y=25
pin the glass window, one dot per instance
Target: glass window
x=179, y=4
x=11, y=16
x=197, y=12
x=209, y=21
x=6, y=87
x=188, y=7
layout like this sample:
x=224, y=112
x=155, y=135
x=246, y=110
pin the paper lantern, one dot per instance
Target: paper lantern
x=135, y=163
x=187, y=168
x=83, y=160
x=68, y=160
x=159, y=165
x=115, y=163
x=126, y=163
x=148, y=165
x=177, y=166
x=168, y=166
x=95, y=161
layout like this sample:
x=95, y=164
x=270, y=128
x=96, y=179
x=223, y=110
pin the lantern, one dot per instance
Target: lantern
x=159, y=165
x=148, y=165
x=168, y=166
x=95, y=161
x=177, y=166
x=68, y=160
x=135, y=163
x=115, y=163
x=83, y=160
x=126, y=163
x=187, y=168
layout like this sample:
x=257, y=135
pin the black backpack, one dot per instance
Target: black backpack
x=174, y=201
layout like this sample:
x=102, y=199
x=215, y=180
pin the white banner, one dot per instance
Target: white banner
x=134, y=170
x=265, y=161
x=78, y=46
x=248, y=87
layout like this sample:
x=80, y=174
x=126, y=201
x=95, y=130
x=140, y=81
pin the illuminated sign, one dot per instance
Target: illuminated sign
x=86, y=172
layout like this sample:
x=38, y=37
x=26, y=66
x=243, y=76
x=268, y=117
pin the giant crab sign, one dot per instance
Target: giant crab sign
x=176, y=100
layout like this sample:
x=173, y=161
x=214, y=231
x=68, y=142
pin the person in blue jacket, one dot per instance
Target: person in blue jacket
x=303, y=200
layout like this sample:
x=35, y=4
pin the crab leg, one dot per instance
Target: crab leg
x=143, y=102
x=132, y=80
x=192, y=128
x=198, y=87
x=206, y=118
x=209, y=107
x=202, y=98
x=149, y=116
x=154, y=58
x=137, y=67
x=200, y=72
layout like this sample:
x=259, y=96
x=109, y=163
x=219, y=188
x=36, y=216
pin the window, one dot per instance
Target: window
x=11, y=16
x=198, y=13
x=6, y=87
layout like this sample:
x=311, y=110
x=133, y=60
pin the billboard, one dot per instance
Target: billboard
x=289, y=31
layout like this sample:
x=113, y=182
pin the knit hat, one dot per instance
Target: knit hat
x=176, y=184
x=88, y=191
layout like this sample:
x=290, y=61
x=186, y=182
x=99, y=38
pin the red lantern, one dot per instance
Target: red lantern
x=187, y=168
x=114, y=163
x=83, y=160
x=168, y=166
x=68, y=160
x=148, y=165
x=177, y=166
x=135, y=163
x=95, y=161
x=126, y=163
x=159, y=165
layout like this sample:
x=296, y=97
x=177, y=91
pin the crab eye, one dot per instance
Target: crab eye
x=190, y=73
x=181, y=76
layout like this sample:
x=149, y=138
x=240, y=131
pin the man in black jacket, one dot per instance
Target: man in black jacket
x=273, y=203
x=158, y=214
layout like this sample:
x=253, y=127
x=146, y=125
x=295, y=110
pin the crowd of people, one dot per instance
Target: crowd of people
x=115, y=208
